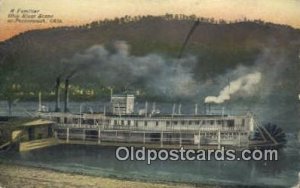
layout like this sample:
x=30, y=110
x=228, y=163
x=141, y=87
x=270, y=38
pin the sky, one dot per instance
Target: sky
x=77, y=12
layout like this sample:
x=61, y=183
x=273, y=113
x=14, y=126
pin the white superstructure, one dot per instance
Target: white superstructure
x=122, y=104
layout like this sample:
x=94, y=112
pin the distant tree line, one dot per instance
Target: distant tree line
x=169, y=17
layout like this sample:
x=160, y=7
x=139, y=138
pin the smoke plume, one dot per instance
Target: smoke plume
x=244, y=85
x=163, y=76
x=173, y=77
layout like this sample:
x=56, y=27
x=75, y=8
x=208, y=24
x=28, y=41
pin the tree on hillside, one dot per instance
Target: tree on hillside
x=9, y=82
x=11, y=75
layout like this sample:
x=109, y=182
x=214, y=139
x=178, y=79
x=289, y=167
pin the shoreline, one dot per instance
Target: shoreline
x=15, y=175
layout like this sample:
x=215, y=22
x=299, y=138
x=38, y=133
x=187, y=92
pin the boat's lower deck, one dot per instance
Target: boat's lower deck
x=177, y=138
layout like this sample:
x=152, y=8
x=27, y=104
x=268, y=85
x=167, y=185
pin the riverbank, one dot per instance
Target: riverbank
x=12, y=176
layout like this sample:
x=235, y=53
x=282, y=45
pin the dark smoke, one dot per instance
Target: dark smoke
x=66, y=93
x=57, y=94
x=151, y=72
x=155, y=73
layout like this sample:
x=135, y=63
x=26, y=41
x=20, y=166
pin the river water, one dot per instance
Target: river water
x=101, y=161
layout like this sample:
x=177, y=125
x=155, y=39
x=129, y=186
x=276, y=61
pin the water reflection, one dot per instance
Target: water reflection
x=95, y=160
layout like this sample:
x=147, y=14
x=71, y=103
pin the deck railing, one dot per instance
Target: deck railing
x=158, y=128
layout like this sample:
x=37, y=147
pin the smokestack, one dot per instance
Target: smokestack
x=179, y=109
x=153, y=108
x=40, y=102
x=57, y=95
x=146, y=108
x=66, y=95
x=173, y=110
x=208, y=108
x=223, y=111
x=111, y=93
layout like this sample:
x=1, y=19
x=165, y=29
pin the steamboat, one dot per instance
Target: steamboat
x=121, y=125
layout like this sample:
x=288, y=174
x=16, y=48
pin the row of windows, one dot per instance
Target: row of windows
x=120, y=107
x=230, y=123
x=122, y=122
x=203, y=122
x=214, y=134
